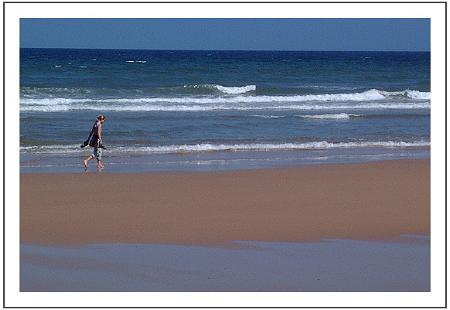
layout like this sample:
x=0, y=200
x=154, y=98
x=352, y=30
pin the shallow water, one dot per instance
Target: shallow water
x=330, y=265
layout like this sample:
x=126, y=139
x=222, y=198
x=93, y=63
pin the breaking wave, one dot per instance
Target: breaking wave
x=268, y=116
x=371, y=99
x=230, y=90
x=235, y=90
x=60, y=107
x=206, y=147
x=329, y=116
x=412, y=94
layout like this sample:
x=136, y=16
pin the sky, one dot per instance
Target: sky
x=228, y=34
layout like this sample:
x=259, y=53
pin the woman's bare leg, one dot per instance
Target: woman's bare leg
x=100, y=164
x=86, y=161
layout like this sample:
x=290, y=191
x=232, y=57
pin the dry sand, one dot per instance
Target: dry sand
x=367, y=201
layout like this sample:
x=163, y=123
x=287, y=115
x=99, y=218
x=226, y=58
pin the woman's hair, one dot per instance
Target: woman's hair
x=101, y=117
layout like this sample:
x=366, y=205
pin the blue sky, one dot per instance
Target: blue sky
x=229, y=34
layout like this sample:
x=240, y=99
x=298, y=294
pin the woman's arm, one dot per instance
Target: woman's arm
x=100, y=137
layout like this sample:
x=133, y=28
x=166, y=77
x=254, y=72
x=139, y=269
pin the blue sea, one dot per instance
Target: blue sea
x=220, y=110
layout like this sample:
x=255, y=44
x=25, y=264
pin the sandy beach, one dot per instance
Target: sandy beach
x=370, y=201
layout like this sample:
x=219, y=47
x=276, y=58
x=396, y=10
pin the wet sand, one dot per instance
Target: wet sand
x=329, y=265
x=370, y=201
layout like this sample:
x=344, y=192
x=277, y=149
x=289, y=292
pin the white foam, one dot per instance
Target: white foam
x=372, y=99
x=329, y=116
x=235, y=90
x=138, y=61
x=271, y=147
x=216, y=107
x=50, y=149
x=230, y=90
x=268, y=116
x=412, y=94
x=207, y=147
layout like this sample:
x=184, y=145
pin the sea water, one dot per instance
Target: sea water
x=214, y=110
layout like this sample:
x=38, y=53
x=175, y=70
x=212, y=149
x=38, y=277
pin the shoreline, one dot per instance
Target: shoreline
x=217, y=161
x=358, y=201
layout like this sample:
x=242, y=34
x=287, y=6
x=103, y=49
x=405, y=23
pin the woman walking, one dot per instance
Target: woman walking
x=95, y=140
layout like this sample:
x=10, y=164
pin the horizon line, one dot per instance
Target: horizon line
x=226, y=50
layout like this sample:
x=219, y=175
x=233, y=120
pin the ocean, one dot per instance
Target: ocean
x=221, y=110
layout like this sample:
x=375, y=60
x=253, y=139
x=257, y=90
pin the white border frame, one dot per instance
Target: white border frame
x=15, y=11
